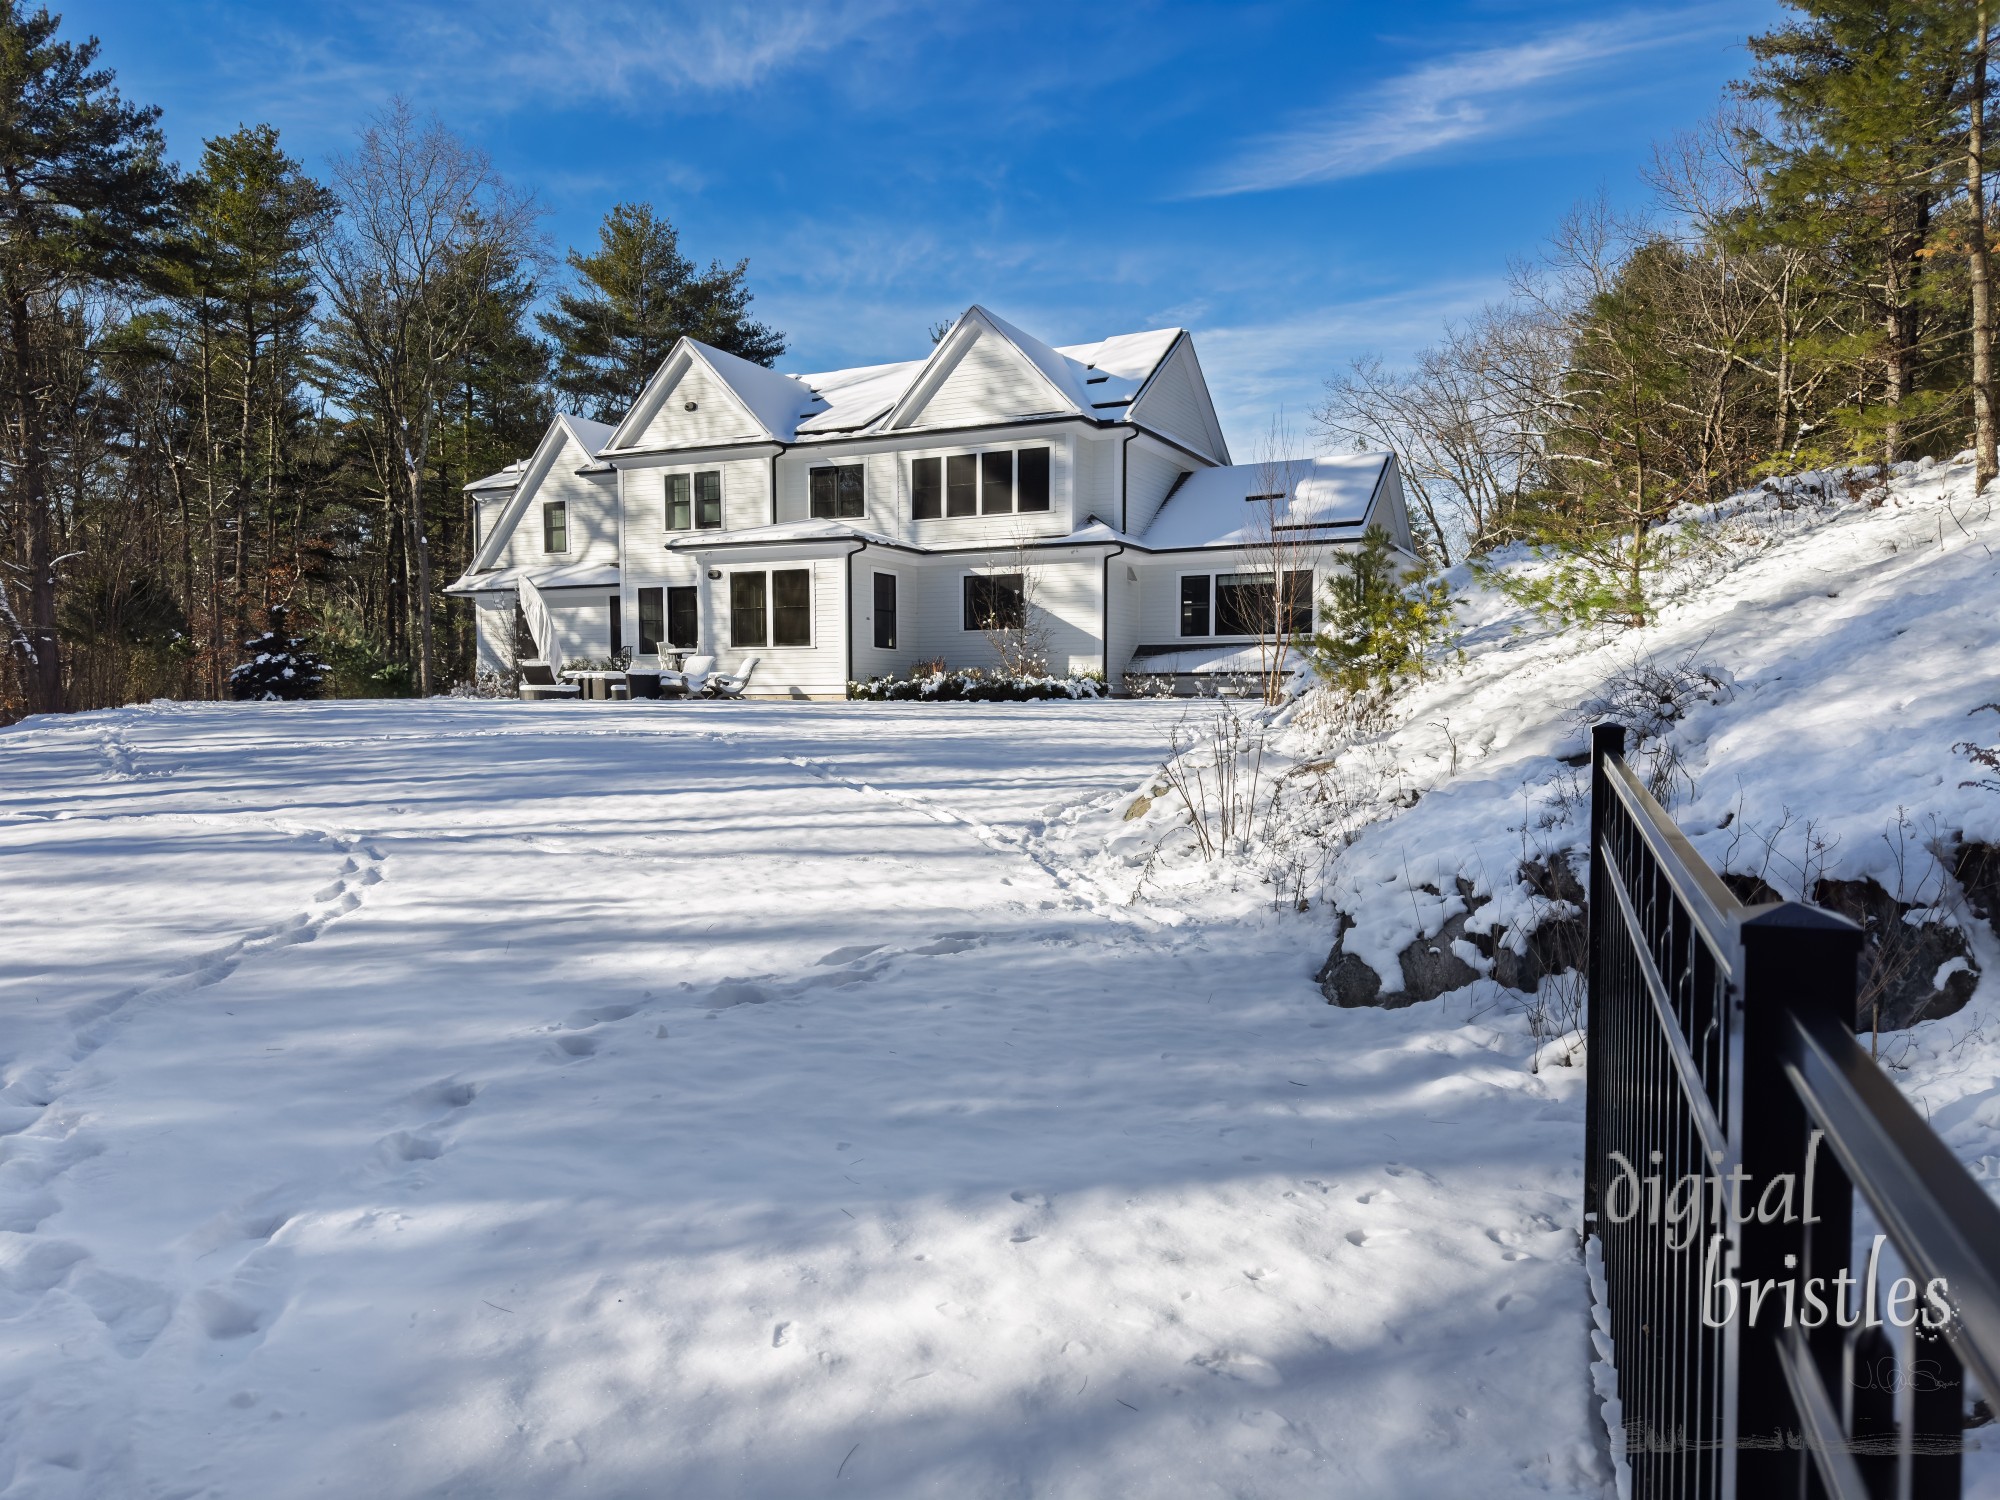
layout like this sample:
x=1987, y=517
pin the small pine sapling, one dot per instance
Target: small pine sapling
x=1381, y=625
x=279, y=669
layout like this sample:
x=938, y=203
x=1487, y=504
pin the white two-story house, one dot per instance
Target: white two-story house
x=857, y=523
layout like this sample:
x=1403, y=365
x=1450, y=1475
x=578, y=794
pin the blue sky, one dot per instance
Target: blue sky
x=1296, y=182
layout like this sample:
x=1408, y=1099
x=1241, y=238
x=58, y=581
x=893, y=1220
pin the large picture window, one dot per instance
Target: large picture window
x=835, y=492
x=996, y=483
x=555, y=526
x=995, y=601
x=1244, y=604
x=694, y=501
x=771, y=609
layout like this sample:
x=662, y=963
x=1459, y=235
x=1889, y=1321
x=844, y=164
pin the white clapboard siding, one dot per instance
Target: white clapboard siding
x=592, y=515
x=1066, y=591
x=1159, y=616
x=1121, y=617
x=1094, y=488
x=582, y=619
x=1177, y=404
x=718, y=416
x=815, y=671
x=870, y=660
x=746, y=500
x=493, y=622
x=991, y=381
x=1149, y=475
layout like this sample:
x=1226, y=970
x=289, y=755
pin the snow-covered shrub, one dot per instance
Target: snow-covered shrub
x=489, y=685
x=1651, y=698
x=616, y=663
x=279, y=667
x=972, y=685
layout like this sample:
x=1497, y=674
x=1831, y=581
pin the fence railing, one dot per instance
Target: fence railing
x=1732, y=1121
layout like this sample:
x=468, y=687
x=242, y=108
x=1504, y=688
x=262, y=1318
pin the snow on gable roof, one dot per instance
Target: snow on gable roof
x=505, y=479
x=1222, y=507
x=564, y=430
x=1114, y=370
x=848, y=400
x=590, y=436
x=776, y=400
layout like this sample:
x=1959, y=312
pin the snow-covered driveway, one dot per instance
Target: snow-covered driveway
x=483, y=1099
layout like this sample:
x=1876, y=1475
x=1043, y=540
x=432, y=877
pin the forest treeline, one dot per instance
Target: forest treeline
x=231, y=385
x=1810, y=287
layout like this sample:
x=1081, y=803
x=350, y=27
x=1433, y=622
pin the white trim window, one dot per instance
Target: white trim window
x=835, y=492
x=694, y=500
x=555, y=526
x=1243, y=604
x=995, y=482
x=770, y=609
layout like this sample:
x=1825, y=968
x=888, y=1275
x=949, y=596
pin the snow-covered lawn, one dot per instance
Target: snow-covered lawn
x=497, y=1100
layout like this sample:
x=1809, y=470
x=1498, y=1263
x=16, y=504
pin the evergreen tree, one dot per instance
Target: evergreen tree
x=279, y=667
x=638, y=296
x=83, y=190
x=1865, y=155
x=1381, y=626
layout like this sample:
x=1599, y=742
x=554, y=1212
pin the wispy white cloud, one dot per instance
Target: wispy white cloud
x=1484, y=93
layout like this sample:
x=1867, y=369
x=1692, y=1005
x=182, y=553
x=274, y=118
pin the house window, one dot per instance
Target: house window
x=771, y=609
x=927, y=489
x=1031, y=479
x=885, y=611
x=1245, y=604
x=683, y=618
x=1194, y=604
x=694, y=501
x=791, y=607
x=995, y=483
x=961, y=485
x=995, y=601
x=652, y=620
x=555, y=526
x=836, y=492
x=617, y=625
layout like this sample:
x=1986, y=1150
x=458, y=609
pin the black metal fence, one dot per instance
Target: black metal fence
x=1733, y=1122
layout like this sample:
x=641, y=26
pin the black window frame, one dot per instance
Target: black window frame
x=708, y=500
x=617, y=626
x=1032, y=479
x=926, y=489
x=743, y=610
x=555, y=525
x=961, y=485
x=679, y=513
x=652, y=620
x=984, y=594
x=683, y=617
x=885, y=612
x=1197, y=597
x=996, y=482
x=790, y=617
x=1245, y=597
x=836, y=492
x=1296, y=605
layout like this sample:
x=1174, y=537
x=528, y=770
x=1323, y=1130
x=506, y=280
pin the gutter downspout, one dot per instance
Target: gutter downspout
x=782, y=448
x=1104, y=626
x=1125, y=482
x=847, y=665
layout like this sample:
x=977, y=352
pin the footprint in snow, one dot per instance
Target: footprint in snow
x=781, y=1335
x=1032, y=1200
x=852, y=953
x=446, y=1093
x=571, y=1046
x=579, y=1020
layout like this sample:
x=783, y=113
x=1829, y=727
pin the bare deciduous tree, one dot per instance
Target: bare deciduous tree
x=425, y=222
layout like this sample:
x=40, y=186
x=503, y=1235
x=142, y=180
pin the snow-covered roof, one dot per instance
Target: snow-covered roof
x=504, y=479
x=590, y=436
x=1099, y=379
x=569, y=576
x=1224, y=507
x=1208, y=660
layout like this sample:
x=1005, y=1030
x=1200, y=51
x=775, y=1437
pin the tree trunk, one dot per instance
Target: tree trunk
x=41, y=667
x=1987, y=462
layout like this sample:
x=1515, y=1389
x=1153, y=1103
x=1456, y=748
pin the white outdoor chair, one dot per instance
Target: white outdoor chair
x=691, y=678
x=729, y=684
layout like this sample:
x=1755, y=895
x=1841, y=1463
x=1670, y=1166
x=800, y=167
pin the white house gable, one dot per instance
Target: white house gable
x=696, y=410
x=1176, y=403
x=983, y=381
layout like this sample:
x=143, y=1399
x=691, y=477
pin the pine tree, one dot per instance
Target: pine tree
x=638, y=296
x=83, y=190
x=1865, y=155
x=279, y=667
x=1381, y=626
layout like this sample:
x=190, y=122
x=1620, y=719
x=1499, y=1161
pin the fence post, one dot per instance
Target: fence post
x=1799, y=960
x=1606, y=740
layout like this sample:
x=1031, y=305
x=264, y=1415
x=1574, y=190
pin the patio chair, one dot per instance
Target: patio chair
x=538, y=683
x=729, y=684
x=691, y=678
